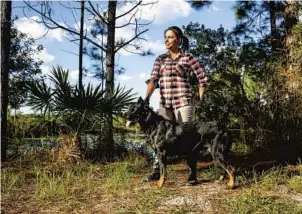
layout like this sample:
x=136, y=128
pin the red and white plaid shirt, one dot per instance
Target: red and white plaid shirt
x=174, y=75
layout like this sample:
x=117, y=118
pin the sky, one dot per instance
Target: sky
x=58, y=50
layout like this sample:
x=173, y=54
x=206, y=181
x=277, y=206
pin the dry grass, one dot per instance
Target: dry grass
x=118, y=188
x=68, y=151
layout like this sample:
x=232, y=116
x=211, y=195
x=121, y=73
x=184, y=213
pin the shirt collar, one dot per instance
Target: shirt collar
x=180, y=53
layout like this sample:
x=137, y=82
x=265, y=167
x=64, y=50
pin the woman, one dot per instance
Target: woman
x=172, y=72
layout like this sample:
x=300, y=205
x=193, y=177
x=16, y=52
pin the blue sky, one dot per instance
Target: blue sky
x=137, y=68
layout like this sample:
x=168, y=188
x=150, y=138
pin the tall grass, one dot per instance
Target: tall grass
x=271, y=179
x=10, y=181
x=295, y=184
x=85, y=186
x=63, y=183
x=119, y=175
x=265, y=194
x=255, y=201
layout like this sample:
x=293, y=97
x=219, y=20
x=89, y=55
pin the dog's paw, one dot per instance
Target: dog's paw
x=231, y=185
x=191, y=183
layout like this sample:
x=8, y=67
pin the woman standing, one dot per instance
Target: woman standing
x=171, y=73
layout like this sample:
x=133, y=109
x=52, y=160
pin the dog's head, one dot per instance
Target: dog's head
x=137, y=112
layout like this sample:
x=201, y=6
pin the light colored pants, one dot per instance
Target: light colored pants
x=182, y=114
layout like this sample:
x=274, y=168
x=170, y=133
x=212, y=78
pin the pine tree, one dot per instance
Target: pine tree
x=6, y=10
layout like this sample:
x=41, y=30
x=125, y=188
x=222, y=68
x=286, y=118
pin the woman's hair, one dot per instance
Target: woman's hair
x=179, y=34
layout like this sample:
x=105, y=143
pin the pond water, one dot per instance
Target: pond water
x=90, y=142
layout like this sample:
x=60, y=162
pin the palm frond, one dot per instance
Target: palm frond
x=40, y=96
x=121, y=98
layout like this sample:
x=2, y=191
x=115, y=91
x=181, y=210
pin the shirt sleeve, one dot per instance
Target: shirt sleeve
x=154, y=77
x=203, y=80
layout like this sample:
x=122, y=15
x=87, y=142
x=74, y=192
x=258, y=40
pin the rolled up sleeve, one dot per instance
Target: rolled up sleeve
x=154, y=76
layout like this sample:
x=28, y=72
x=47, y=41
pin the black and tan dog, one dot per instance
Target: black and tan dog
x=171, y=138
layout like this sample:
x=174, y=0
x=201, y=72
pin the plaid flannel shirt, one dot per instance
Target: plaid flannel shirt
x=174, y=75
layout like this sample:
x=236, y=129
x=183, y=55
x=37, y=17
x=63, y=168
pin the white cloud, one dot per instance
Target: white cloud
x=37, y=30
x=214, y=7
x=44, y=56
x=143, y=75
x=155, y=46
x=124, y=52
x=124, y=33
x=45, y=69
x=74, y=74
x=158, y=12
x=124, y=77
x=145, y=45
x=161, y=12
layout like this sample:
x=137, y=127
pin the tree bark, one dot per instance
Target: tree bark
x=110, y=60
x=81, y=45
x=272, y=11
x=6, y=10
x=110, y=48
x=291, y=19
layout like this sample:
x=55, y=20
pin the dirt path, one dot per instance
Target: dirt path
x=174, y=197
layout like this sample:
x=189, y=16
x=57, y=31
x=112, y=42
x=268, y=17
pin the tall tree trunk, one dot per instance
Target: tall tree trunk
x=108, y=129
x=6, y=10
x=272, y=11
x=81, y=45
x=110, y=48
x=291, y=19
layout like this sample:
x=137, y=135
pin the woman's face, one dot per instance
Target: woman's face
x=171, y=40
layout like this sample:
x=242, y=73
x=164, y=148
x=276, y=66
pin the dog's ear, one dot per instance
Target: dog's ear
x=140, y=100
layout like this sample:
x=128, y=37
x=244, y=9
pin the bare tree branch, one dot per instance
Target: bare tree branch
x=46, y=19
x=129, y=22
x=69, y=7
x=148, y=52
x=74, y=18
x=70, y=52
x=150, y=3
x=138, y=24
x=96, y=13
x=126, y=43
x=129, y=11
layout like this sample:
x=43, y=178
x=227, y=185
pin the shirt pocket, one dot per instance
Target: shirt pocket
x=183, y=70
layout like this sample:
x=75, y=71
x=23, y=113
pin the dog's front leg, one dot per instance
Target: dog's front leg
x=192, y=163
x=162, y=167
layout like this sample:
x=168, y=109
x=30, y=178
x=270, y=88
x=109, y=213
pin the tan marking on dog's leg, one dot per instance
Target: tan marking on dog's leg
x=231, y=183
x=161, y=181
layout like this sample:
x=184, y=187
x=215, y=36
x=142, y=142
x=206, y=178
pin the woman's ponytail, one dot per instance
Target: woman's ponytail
x=185, y=43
